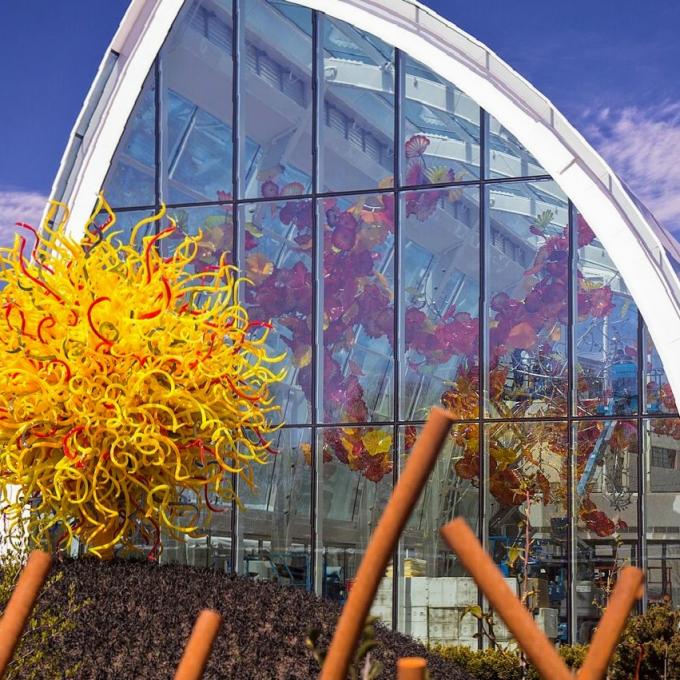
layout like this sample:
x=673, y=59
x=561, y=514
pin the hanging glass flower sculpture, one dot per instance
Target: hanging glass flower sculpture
x=131, y=385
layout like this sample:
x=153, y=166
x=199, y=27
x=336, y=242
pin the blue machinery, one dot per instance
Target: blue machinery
x=624, y=401
x=595, y=456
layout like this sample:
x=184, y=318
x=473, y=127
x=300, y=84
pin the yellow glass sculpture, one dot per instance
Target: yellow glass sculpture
x=129, y=382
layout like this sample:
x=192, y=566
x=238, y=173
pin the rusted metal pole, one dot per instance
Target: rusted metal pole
x=382, y=544
x=197, y=651
x=411, y=668
x=517, y=618
x=21, y=604
x=628, y=588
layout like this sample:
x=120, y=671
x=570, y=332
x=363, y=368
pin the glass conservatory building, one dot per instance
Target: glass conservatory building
x=422, y=227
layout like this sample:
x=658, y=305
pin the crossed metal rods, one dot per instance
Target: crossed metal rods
x=458, y=535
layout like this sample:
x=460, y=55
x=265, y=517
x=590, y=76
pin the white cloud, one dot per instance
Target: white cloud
x=642, y=145
x=18, y=206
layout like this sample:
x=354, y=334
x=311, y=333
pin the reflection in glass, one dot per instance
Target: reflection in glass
x=606, y=482
x=277, y=244
x=606, y=332
x=432, y=579
x=124, y=224
x=507, y=155
x=210, y=546
x=441, y=129
x=215, y=222
x=211, y=550
x=527, y=499
x=343, y=331
x=197, y=126
x=130, y=181
x=527, y=280
x=440, y=301
x=357, y=120
x=358, y=307
x=658, y=394
x=275, y=522
x=356, y=482
x=276, y=96
x=662, y=454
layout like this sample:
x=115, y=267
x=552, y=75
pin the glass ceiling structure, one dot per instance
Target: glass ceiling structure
x=416, y=240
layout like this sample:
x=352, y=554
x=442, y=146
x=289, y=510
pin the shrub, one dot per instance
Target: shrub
x=504, y=664
x=142, y=614
x=649, y=650
x=488, y=664
x=572, y=655
x=38, y=653
x=650, y=646
x=363, y=667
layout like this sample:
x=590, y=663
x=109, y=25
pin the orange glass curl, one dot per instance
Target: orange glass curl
x=131, y=385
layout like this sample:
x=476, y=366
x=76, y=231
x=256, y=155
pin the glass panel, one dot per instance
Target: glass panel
x=130, y=180
x=278, y=240
x=125, y=222
x=196, y=68
x=276, y=522
x=606, y=333
x=527, y=266
x=658, y=394
x=434, y=590
x=358, y=295
x=662, y=443
x=211, y=550
x=356, y=470
x=440, y=301
x=507, y=155
x=441, y=129
x=216, y=222
x=210, y=546
x=276, y=96
x=528, y=516
x=606, y=505
x=357, y=125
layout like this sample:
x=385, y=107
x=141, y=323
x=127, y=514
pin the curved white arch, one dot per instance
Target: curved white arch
x=629, y=237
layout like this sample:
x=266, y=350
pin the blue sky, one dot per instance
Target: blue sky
x=611, y=66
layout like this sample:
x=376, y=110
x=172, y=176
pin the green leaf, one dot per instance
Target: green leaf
x=376, y=670
x=513, y=554
x=475, y=610
x=365, y=648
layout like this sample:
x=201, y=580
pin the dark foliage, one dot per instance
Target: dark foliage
x=506, y=664
x=650, y=646
x=649, y=649
x=141, y=615
x=39, y=652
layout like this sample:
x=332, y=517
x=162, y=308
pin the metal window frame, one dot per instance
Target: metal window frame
x=316, y=426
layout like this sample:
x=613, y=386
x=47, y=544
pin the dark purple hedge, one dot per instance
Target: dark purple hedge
x=141, y=614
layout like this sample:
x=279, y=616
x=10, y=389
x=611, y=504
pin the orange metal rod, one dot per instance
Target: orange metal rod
x=519, y=621
x=21, y=604
x=382, y=544
x=411, y=668
x=197, y=651
x=628, y=588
